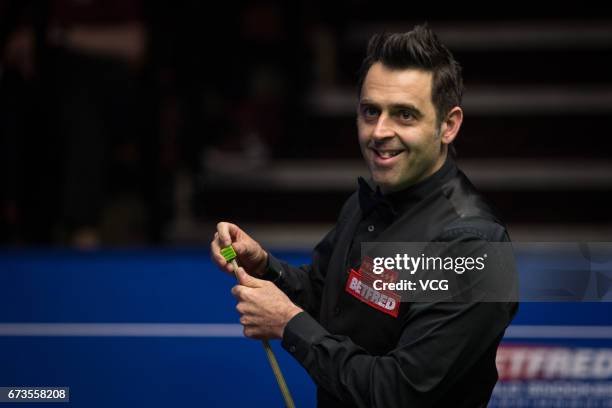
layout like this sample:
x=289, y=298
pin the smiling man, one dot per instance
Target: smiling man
x=358, y=352
x=401, y=136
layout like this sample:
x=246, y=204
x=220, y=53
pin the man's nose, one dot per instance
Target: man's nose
x=383, y=129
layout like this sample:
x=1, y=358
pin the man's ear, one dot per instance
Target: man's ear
x=450, y=125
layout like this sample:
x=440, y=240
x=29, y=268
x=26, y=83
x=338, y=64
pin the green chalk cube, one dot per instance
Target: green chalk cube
x=228, y=253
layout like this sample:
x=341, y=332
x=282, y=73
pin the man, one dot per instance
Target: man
x=429, y=354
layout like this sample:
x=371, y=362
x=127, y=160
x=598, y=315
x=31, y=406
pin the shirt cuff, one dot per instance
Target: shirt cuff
x=300, y=333
x=274, y=270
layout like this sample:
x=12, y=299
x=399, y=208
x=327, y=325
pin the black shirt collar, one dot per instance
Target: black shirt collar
x=371, y=197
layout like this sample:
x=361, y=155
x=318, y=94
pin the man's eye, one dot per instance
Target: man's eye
x=369, y=112
x=406, y=115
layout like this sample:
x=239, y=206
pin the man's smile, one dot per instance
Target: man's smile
x=385, y=156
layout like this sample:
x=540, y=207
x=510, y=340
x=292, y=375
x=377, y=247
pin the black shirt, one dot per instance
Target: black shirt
x=431, y=354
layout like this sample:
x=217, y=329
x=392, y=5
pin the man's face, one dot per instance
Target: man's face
x=396, y=122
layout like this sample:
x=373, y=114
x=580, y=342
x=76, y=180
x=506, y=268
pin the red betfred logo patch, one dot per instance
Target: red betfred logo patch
x=360, y=285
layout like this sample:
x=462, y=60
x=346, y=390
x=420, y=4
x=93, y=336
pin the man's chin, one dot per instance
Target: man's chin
x=384, y=183
x=388, y=185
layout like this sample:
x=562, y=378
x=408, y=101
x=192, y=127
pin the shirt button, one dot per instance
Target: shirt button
x=337, y=310
x=292, y=349
x=371, y=228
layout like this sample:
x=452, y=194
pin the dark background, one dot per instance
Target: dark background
x=129, y=123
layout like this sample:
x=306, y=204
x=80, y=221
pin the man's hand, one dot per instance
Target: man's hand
x=250, y=254
x=264, y=309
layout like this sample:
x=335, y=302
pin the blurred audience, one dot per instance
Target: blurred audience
x=106, y=104
x=76, y=125
x=116, y=115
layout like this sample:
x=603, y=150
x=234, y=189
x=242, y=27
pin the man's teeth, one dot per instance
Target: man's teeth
x=388, y=154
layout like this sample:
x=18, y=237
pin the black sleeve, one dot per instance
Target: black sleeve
x=440, y=343
x=303, y=284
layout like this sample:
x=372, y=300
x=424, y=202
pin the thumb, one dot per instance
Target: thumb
x=245, y=279
x=239, y=248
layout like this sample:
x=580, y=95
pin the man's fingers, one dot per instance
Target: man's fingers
x=254, y=332
x=246, y=279
x=227, y=231
x=243, y=294
x=215, y=252
x=224, y=235
x=238, y=291
x=244, y=308
x=242, y=276
x=239, y=248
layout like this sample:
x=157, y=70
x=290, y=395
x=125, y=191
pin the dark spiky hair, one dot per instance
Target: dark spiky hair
x=418, y=49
